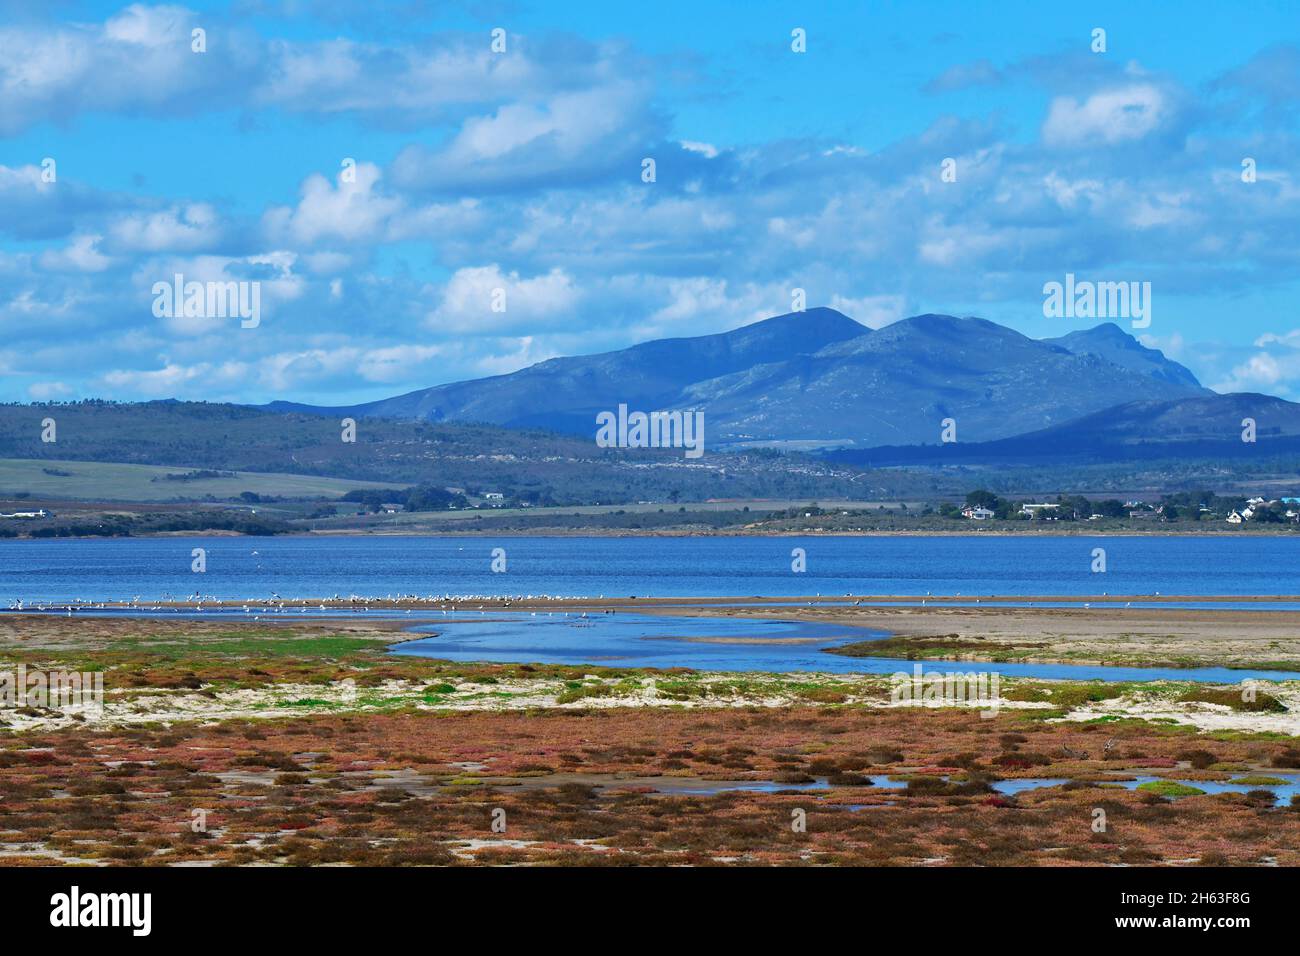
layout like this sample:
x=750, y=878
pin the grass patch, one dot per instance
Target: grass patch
x=571, y=694
x=1067, y=695
x=939, y=647
x=1170, y=788
x=1234, y=698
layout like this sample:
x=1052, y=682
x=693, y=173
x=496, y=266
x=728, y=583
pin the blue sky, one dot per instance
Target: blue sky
x=521, y=170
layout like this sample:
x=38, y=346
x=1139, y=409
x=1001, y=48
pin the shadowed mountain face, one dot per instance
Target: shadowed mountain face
x=1208, y=427
x=819, y=378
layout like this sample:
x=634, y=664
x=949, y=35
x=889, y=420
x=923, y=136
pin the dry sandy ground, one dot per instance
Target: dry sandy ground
x=1156, y=701
x=1078, y=635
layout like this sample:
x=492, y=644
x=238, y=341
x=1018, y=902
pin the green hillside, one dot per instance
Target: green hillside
x=93, y=480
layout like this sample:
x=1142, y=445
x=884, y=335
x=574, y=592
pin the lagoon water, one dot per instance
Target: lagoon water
x=313, y=567
x=256, y=569
x=725, y=644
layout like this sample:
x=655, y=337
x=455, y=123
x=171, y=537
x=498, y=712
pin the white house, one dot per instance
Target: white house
x=1234, y=518
x=977, y=514
x=26, y=514
x=493, y=495
x=1034, y=510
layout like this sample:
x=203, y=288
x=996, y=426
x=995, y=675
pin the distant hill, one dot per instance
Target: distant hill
x=1200, y=428
x=817, y=378
x=538, y=465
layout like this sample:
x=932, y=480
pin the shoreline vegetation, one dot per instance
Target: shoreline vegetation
x=104, y=522
x=1089, y=630
x=429, y=510
x=306, y=742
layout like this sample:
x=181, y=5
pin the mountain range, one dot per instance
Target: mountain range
x=819, y=380
x=861, y=407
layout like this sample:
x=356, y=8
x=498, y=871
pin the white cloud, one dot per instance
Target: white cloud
x=274, y=272
x=1068, y=192
x=1107, y=117
x=80, y=255
x=1260, y=371
x=138, y=59
x=468, y=297
x=178, y=229
x=707, y=150
x=1172, y=345
x=873, y=311
x=345, y=210
x=48, y=391
x=1291, y=339
x=569, y=134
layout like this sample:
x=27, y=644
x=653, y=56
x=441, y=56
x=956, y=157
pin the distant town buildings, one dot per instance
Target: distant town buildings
x=1043, y=510
x=1263, y=509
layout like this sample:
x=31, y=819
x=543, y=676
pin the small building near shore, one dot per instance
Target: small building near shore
x=1043, y=510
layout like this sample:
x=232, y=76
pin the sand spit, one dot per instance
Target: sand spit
x=1107, y=635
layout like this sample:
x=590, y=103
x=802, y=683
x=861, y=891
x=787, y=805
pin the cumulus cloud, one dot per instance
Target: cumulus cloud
x=485, y=300
x=873, y=311
x=1107, y=117
x=179, y=229
x=139, y=59
x=352, y=208
x=1261, y=372
x=522, y=172
x=81, y=255
x=568, y=138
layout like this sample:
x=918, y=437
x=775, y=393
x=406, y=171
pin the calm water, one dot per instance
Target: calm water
x=629, y=639
x=638, y=640
x=704, y=643
x=256, y=568
x=248, y=569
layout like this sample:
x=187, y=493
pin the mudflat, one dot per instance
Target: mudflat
x=1105, y=634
